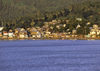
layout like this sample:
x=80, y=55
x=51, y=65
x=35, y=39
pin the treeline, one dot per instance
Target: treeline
x=18, y=14
x=10, y=9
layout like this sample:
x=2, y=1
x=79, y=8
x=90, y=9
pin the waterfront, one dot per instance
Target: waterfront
x=50, y=55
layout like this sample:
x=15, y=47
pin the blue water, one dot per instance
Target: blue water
x=50, y=55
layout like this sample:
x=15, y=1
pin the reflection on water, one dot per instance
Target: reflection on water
x=50, y=55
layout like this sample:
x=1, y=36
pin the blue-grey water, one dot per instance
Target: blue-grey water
x=50, y=55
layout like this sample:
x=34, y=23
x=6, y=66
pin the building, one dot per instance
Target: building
x=5, y=34
x=1, y=35
x=10, y=34
x=35, y=33
x=95, y=31
x=23, y=34
x=1, y=28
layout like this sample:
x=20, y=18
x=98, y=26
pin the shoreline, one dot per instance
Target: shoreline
x=51, y=39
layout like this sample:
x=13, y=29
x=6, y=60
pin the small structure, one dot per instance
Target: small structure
x=35, y=33
x=1, y=28
x=10, y=34
x=95, y=31
x=1, y=35
x=23, y=34
x=78, y=26
x=67, y=36
x=5, y=34
x=79, y=19
x=63, y=35
x=88, y=23
x=55, y=35
x=17, y=30
x=39, y=34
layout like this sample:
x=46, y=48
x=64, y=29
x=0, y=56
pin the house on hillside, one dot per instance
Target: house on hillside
x=47, y=33
x=10, y=34
x=23, y=34
x=1, y=28
x=1, y=35
x=54, y=22
x=35, y=33
x=74, y=32
x=95, y=31
x=55, y=35
x=17, y=30
x=63, y=35
x=79, y=19
x=5, y=34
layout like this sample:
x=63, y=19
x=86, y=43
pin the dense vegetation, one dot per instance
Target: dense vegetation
x=10, y=9
x=21, y=13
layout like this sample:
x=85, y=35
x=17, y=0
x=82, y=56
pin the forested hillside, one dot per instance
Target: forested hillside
x=17, y=13
x=10, y=9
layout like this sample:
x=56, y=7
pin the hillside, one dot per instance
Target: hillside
x=28, y=13
x=10, y=9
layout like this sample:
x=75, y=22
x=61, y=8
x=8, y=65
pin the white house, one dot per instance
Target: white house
x=1, y=28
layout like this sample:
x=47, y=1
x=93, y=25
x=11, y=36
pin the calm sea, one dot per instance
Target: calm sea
x=50, y=55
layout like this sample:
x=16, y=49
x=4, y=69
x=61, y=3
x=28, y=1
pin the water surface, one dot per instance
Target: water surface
x=50, y=55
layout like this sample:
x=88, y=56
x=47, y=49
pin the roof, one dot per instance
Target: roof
x=1, y=28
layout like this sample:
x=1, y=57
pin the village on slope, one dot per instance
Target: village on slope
x=47, y=32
